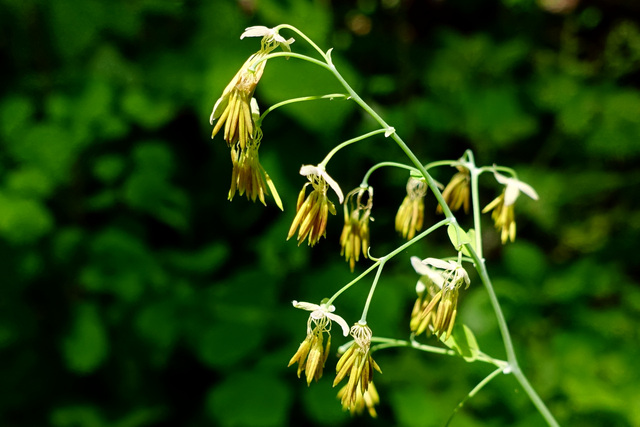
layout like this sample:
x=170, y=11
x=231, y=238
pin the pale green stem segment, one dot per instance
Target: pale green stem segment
x=391, y=342
x=365, y=180
x=473, y=392
x=475, y=200
x=449, y=219
x=506, y=337
x=330, y=97
x=363, y=318
x=340, y=146
x=304, y=36
x=388, y=257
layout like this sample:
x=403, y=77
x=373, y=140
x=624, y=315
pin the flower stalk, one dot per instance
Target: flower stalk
x=437, y=313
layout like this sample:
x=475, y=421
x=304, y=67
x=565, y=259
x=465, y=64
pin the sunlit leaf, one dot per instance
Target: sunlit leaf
x=463, y=341
x=86, y=345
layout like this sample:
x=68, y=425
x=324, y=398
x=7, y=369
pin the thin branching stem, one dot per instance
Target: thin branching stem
x=479, y=263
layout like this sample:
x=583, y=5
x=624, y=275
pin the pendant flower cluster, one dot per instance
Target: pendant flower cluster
x=457, y=192
x=358, y=364
x=312, y=354
x=436, y=308
x=355, y=233
x=502, y=206
x=237, y=111
x=410, y=215
x=313, y=210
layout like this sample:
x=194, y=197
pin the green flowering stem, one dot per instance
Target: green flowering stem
x=504, y=169
x=478, y=260
x=304, y=36
x=388, y=257
x=363, y=318
x=506, y=338
x=340, y=146
x=473, y=392
x=392, y=342
x=291, y=55
x=475, y=201
x=377, y=166
x=365, y=180
x=301, y=99
x=449, y=219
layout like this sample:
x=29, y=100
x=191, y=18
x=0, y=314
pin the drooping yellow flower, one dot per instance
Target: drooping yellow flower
x=457, y=192
x=233, y=108
x=358, y=364
x=355, y=233
x=313, y=210
x=502, y=206
x=312, y=355
x=249, y=176
x=436, y=308
x=369, y=399
x=410, y=215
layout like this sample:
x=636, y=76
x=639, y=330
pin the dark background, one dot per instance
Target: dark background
x=134, y=294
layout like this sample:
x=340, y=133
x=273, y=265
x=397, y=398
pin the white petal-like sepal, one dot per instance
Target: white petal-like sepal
x=441, y=264
x=513, y=188
x=307, y=170
x=340, y=321
x=511, y=193
x=257, y=31
x=318, y=312
x=528, y=190
x=424, y=270
x=305, y=305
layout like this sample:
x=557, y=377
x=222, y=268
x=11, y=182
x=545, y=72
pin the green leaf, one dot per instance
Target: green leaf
x=66, y=243
x=249, y=399
x=86, y=345
x=204, y=261
x=155, y=157
x=23, y=220
x=459, y=237
x=226, y=343
x=15, y=114
x=145, y=110
x=122, y=265
x=29, y=182
x=77, y=416
x=463, y=341
x=158, y=324
x=108, y=168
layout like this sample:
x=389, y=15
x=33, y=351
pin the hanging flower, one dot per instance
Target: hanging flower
x=437, y=303
x=270, y=38
x=358, y=365
x=457, y=192
x=355, y=233
x=369, y=399
x=502, y=207
x=312, y=212
x=312, y=355
x=410, y=215
x=248, y=175
x=233, y=108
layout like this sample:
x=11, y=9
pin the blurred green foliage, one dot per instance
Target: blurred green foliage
x=135, y=295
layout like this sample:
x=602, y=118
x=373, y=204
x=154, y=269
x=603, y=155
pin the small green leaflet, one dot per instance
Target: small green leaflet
x=463, y=342
x=459, y=238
